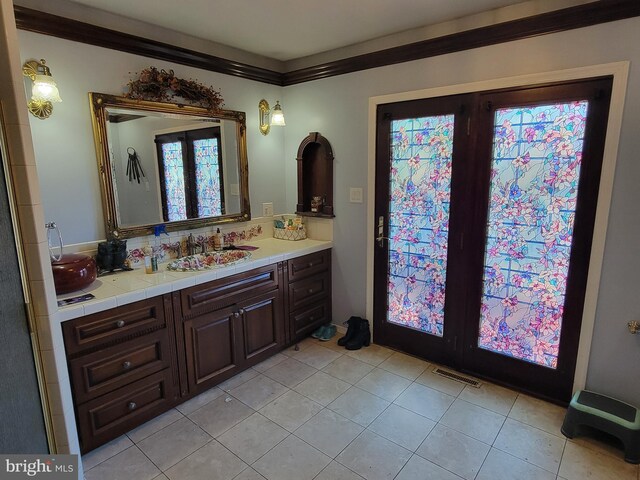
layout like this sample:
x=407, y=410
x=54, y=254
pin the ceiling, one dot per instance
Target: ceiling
x=290, y=29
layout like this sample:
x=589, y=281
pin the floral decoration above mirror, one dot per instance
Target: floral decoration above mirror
x=162, y=86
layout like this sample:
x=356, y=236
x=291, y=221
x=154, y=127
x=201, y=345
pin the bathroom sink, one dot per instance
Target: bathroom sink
x=206, y=261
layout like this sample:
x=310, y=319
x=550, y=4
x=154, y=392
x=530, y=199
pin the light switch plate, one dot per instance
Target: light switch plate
x=267, y=209
x=355, y=195
x=235, y=189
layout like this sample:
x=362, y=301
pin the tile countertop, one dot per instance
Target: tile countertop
x=122, y=288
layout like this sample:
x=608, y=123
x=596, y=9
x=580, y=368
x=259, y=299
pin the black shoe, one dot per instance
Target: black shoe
x=352, y=329
x=362, y=337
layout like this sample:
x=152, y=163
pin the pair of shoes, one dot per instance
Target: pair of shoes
x=328, y=333
x=358, y=334
x=324, y=333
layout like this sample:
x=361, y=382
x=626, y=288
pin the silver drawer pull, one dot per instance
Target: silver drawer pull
x=312, y=318
x=132, y=405
x=310, y=290
x=310, y=264
x=120, y=323
x=126, y=365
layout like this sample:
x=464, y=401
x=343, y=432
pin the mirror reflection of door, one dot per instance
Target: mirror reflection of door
x=190, y=169
x=488, y=203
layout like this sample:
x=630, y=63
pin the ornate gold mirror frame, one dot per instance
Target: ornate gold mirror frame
x=100, y=103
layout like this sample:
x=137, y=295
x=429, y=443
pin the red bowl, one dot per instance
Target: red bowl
x=73, y=272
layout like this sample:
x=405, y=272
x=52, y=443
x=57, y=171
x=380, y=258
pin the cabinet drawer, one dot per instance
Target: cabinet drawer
x=307, y=320
x=303, y=267
x=224, y=292
x=115, y=324
x=310, y=290
x=115, y=413
x=100, y=372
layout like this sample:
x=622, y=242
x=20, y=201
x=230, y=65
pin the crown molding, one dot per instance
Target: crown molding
x=580, y=16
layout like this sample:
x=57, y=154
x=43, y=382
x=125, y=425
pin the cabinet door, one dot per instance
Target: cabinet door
x=263, y=325
x=211, y=343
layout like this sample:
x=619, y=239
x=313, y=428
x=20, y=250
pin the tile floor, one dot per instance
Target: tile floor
x=325, y=413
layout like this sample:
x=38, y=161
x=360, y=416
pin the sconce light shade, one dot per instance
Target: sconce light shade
x=44, y=91
x=277, y=117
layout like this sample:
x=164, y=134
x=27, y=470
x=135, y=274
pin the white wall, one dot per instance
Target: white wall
x=64, y=146
x=338, y=108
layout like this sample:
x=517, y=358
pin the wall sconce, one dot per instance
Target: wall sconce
x=44, y=91
x=268, y=118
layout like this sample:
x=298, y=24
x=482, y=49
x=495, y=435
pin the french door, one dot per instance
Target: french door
x=485, y=209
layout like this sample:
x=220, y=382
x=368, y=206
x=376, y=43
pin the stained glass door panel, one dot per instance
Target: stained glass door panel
x=419, y=203
x=208, y=186
x=173, y=164
x=536, y=161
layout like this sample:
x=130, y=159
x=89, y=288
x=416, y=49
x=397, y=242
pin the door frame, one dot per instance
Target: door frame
x=620, y=73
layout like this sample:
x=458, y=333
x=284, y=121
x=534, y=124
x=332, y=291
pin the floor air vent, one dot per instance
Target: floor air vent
x=457, y=377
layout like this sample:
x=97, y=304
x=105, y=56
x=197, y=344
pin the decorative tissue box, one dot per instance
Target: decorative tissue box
x=289, y=227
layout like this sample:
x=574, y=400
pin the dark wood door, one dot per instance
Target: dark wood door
x=488, y=202
x=263, y=324
x=213, y=344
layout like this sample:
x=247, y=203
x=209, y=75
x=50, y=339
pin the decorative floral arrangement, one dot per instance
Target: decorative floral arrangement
x=160, y=85
x=208, y=260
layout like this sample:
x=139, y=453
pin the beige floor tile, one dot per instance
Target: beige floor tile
x=322, y=388
x=168, y=446
x=290, y=372
x=130, y=463
x=402, y=426
x=152, y=426
x=348, y=369
x=477, y=422
x=531, y=445
x=218, y=416
x=212, y=458
x=539, y=414
x=105, y=452
x=438, y=382
x=329, y=432
x=417, y=468
x=425, y=401
x=249, y=474
x=270, y=362
x=259, y=391
x=292, y=459
x=404, y=365
x=374, y=457
x=579, y=463
x=301, y=345
x=291, y=410
x=335, y=471
x=253, y=437
x=502, y=466
x=373, y=354
x=359, y=406
x=384, y=384
x=238, y=379
x=200, y=401
x=316, y=356
x=492, y=397
x=454, y=451
x=333, y=343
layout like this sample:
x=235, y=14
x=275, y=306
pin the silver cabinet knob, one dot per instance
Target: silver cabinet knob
x=310, y=290
x=241, y=311
x=126, y=365
x=132, y=406
x=236, y=315
x=310, y=264
x=120, y=323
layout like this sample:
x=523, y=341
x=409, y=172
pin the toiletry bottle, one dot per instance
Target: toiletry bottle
x=218, y=241
x=157, y=246
x=148, y=255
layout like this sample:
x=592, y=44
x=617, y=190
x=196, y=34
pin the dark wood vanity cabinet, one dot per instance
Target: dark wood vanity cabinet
x=308, y=293
x=129, y=364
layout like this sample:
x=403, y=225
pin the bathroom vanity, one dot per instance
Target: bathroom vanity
x=130, y=363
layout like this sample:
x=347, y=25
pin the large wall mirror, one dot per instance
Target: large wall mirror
x=178, y=165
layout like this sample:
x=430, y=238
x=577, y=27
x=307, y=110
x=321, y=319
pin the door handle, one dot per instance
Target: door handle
x=381, y=238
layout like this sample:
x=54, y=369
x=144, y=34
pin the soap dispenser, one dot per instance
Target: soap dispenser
x=218, y=241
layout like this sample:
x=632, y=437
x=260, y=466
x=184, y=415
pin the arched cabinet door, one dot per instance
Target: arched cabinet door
x=315, y=177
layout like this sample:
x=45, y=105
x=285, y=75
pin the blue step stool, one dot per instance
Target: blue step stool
x=607, y=415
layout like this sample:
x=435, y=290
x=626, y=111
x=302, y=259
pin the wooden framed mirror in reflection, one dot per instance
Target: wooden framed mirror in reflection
x=164, y=163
